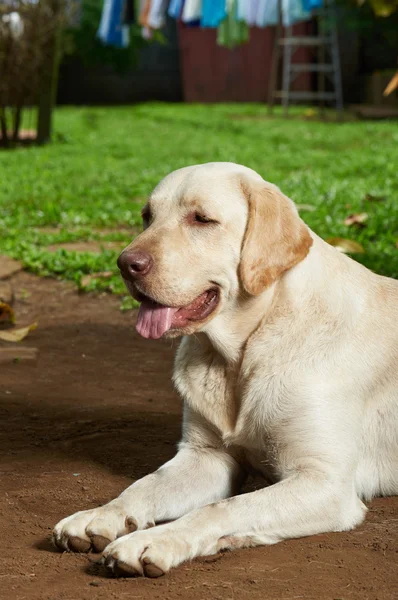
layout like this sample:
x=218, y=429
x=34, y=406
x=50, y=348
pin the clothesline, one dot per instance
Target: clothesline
x=232, y=18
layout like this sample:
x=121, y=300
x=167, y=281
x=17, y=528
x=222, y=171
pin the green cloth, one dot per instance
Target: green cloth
x=232, y=32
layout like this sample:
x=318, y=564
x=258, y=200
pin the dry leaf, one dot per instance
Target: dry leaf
x=392, y=86
x=372, y=198
x=346, y=246
x=356, y=219
x=87, y=279
x=17, y=335
x=307, y=207
x=6, y=313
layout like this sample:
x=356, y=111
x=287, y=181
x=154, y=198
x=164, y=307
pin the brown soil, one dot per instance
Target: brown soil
x=97, y=411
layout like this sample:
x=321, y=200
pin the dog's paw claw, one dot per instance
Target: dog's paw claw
x=77, y=544
x=99, y=542
x=151, y=570
x=121, y=569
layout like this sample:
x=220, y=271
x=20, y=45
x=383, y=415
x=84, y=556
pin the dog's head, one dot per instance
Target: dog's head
x=214, y=235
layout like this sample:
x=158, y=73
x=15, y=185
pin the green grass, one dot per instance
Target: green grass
x=104, y=161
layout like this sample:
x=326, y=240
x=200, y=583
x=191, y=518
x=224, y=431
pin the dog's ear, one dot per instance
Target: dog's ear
x=275, y=240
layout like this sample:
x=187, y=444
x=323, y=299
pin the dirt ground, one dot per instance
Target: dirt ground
x=98, y=411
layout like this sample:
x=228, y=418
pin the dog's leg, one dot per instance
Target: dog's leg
x=199, y=474
x=301, y=505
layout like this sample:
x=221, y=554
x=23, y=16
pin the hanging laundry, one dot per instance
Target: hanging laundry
x=242, y=6
x=232, y=31
x=234, y=17
x=192, y=10
x=312, y=4
x=157, y=14
x=111, y=30
x=293, y=12
x=144, y=13
x=267, y=13
x=252, y=11
x=213, y=12
x=175, y=9
x=143, y=19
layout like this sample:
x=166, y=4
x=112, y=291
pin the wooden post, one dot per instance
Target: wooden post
x=48, y=88
x=3, y=126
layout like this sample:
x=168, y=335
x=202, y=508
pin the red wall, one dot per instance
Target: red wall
x=212, y=73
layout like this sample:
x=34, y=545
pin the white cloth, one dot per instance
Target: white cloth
x=192, y=10
x=157, y=14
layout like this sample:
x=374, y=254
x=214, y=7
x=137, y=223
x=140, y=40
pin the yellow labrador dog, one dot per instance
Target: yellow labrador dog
x=292, y=371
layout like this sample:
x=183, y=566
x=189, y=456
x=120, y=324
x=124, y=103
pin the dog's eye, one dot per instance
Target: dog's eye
x=146, y=217
x=199, y=218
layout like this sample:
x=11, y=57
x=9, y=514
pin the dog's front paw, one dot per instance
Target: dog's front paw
x=93, y=530
x=151, y=553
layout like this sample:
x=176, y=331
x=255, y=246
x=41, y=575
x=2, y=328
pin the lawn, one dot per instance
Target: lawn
x=91, y=182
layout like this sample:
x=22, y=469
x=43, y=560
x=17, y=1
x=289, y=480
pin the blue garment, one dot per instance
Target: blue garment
x=111, y=30
x=213, y=12
x=261, y=13
x=252, y=11
x=267, y=13
x=312, y=4
x=241, y=10
x=175, y=9
x=293, y=12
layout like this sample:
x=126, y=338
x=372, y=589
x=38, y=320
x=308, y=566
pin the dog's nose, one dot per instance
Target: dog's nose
x=135, y=264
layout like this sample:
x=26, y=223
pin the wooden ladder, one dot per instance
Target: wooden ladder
x=325, y=44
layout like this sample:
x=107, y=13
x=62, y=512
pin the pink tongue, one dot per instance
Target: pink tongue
x=154, y=319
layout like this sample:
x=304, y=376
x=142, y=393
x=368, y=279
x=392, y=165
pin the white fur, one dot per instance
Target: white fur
x=299, y=383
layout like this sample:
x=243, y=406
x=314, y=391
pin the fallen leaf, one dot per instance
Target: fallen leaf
x=346, y=246
x=87, y=279
x=17, y=335
x=307, y=207
x=356, y=219
x=373, y=198
x=392, y=86
x=6, y=313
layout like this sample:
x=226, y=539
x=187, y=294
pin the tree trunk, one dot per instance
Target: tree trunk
x=48, y=88
x=3, y=126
